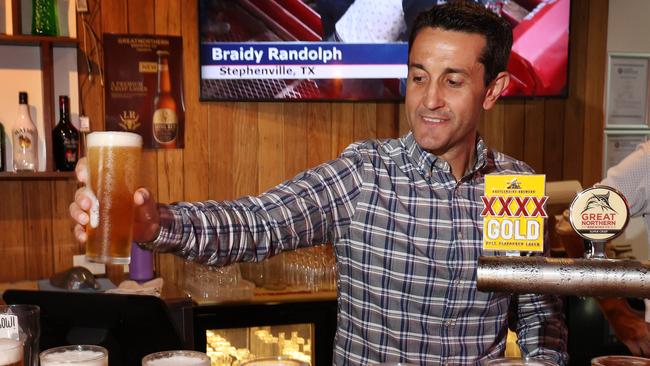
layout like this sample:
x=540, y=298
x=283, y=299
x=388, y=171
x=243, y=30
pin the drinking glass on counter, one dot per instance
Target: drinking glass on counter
x=176, y=358
x=11, y=352
x=275, y=361
x=512, y=361
x=620, y=361
x=77, y=355
x=114, y=170
x=21, y=323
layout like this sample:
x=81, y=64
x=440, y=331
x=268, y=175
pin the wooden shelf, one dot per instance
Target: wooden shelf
x=36, y=175
x=29, y=40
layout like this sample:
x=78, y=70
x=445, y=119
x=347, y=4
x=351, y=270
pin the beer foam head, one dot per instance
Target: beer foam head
x=11, y=351
x=179, y=360
x=114, y=138
x=74, y=358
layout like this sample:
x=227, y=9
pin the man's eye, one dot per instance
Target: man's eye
x=417, y=78
x=454, y=83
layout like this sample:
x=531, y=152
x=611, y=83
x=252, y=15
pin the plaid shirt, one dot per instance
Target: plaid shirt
x=407, y=237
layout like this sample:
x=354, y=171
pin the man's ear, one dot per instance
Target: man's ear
x=494, y=90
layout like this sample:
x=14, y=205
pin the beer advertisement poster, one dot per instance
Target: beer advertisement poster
x=514, y=209
x=144, y=87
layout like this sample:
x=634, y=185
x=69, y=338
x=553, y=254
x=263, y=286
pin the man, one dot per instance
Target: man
x=403, y=215
x=632, y=178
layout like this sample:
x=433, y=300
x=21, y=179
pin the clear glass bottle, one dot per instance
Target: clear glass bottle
x=45, y=18
x=65, y=138
x=24, y=138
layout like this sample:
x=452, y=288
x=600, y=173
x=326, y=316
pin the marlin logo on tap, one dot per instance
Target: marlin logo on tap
x=514, y=209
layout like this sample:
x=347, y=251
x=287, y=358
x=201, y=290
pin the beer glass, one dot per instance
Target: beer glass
x=78, y=355
x=21, y=323
x=114, y=167
x=275, y=361
x=11, y=352
x=620, y=361
x=512, y=361
x=176, y=358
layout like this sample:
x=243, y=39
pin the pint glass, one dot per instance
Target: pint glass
x=176, y=358
x=11, y=352
x=20, y=323
x=79, y=355
x=114, y=167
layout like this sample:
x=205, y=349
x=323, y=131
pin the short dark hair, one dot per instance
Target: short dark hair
x=471, y=17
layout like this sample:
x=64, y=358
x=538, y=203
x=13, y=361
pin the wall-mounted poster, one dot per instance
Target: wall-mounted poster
x=144, y=87
x=621, y=143
x=627, y=91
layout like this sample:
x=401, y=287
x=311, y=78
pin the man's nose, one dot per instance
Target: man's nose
x=433, y=98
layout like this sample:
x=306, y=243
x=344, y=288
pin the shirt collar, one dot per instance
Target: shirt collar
x=427, y=163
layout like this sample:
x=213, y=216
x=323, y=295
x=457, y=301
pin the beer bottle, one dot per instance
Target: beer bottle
x=165, y=119
x=24, y=138
x=65, y=138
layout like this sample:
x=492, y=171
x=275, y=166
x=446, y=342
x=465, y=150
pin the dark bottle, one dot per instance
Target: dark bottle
x=65, y=138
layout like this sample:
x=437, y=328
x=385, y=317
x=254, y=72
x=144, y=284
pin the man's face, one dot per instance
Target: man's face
x=445, y=91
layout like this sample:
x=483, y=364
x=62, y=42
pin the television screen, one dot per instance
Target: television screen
x=260, y=50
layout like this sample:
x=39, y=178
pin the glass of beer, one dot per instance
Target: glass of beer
x=279, y=361
x=620, y=361
x=513, y=361
x=21, y=323
x=176, y=358
x=11, y=352
x=114, y=167
x=78, y=355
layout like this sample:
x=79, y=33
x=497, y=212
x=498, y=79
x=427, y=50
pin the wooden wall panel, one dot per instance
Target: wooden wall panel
x=64, y=245
x=169, y=169
x=534, y=134
x=319, y=132
x=39, y=247
x=342, y=127
x=12, y=240
x=233, y=149
x=295, y=138
x=271, y=148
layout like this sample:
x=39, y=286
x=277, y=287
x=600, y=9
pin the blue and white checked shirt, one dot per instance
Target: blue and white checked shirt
x=407, y=237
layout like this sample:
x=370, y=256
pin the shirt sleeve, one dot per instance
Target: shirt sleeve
x=632, y=178
x=313, y=208
x=541, y=327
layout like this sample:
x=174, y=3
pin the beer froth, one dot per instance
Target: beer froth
x=114, y=138
x=179, y=360
x=76, y=358
x=11, y=352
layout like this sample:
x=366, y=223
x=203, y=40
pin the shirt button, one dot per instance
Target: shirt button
x=457, y=282
x=459, y=234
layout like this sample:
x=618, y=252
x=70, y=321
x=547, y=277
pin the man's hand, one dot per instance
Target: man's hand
x=629, y=325
x=146, y=220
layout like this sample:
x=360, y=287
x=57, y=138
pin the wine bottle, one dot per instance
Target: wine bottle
x=65, y=138
x=24, y=138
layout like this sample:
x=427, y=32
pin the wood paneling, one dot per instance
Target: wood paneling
x=234, y=149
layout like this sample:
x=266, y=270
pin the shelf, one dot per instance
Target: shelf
x=29, y=40
x=36, y=175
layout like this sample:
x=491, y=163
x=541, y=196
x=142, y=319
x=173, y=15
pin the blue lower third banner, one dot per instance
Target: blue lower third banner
x=299, y=60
